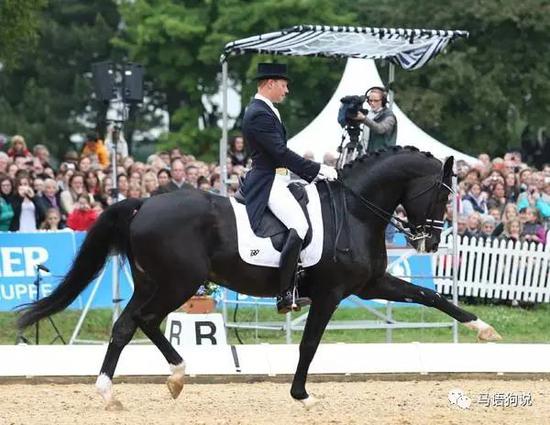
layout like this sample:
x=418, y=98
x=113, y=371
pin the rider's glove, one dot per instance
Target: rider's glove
x=327, y=172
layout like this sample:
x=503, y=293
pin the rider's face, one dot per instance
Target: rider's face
x=278, y=89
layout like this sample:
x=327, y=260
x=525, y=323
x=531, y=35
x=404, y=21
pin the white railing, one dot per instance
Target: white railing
x=497, y=269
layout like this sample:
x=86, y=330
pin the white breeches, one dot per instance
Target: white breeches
x=286, y=208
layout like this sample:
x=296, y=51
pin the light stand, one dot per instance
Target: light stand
x=21, y=338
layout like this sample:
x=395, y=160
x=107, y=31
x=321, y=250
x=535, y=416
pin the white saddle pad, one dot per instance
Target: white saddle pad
x=260, y=252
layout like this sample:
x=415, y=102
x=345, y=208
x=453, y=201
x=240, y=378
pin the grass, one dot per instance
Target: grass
x=515, y=324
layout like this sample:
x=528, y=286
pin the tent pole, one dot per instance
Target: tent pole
x=223, y=141
x=391, y=79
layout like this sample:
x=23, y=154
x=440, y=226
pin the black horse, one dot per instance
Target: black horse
x=176, y=241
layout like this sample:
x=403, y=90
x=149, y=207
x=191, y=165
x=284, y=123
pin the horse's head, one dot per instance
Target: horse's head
x=424, y=201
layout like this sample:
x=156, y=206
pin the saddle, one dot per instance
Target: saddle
x=271, y=227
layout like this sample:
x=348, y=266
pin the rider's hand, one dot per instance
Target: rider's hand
x=327, y=172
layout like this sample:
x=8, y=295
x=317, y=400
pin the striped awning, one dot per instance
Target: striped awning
x=408, y=48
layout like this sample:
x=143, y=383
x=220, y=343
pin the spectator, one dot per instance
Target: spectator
x=91, y=183
x=50, y=198
x=510, y=212
x=69, y=197
x=18, y=147
x=105, y=193
x=83, y=216
x=149, y=184
x=511, y=187
x=38, y=186
x=122, y=185
x=532, y=231
x=121, y=145
x=488, y=225
x=237, y=151
x=4, y=162
x=512, y=230
x=203, y=184
x=474, y=223
x=52, y=222
x=192, y=175
x=178, y=176
x=543, y=202
x=6, y=203
x=474, y=201
x=94, y=146
x=498, y=197
x=134, y=190
x=84, y=164
x=462, y=226
x=41, y=153
x=26, y=214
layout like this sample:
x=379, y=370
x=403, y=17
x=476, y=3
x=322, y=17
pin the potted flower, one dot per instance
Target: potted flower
x=203, y=302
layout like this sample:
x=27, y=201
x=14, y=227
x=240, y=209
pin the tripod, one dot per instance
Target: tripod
x=352, y=149
x=21, y=338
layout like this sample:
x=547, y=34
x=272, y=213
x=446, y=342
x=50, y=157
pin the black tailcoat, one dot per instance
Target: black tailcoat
x=265, y=137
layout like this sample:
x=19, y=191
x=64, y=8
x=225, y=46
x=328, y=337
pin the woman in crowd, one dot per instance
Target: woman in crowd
x=237, y=151
x=510, y=212
x=511, y=187
x=149, y=184
x=70, y=196
x=498, y=197
x=512, y=230
x=91, y=183
x=532, y=231
x=27, y=215
x=6, y=203
x=134, y=190
x=474, y=200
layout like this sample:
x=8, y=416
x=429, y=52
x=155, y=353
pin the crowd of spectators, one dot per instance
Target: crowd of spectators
x=499, y=198
x=38, y=192
x=503, y=198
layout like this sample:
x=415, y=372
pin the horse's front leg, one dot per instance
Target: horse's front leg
x=391, y=288
x=319, y=315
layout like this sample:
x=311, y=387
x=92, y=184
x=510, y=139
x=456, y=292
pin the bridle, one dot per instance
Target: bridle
x=417, y=233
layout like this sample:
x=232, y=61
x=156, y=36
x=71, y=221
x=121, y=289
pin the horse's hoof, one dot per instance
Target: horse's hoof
x=488, y=334
x=175, y=385
x=308, y=402
x=114, y=405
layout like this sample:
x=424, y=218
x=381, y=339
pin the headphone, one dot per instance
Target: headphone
x=380, y=89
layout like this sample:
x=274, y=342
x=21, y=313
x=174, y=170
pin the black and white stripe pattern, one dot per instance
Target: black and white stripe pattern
x=408, y=48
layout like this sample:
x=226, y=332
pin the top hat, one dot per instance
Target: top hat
x=272, y=70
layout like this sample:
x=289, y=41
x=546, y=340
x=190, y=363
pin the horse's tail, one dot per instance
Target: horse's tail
x=109, y=233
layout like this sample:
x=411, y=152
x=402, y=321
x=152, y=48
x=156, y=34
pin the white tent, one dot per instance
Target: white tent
x=324, y=134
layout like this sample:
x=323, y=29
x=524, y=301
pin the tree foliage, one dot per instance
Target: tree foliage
x=481, y=95
x=49, y=96
x=18, y=28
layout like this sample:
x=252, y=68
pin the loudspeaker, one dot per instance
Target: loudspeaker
x=132, y=83
x=104, y=81
x=384, y=94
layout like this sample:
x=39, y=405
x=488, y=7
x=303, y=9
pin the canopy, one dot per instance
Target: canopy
x=408, y=48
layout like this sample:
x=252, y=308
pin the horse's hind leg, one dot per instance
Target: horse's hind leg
x=391, y=288
x=168, y=297
x=123, y=331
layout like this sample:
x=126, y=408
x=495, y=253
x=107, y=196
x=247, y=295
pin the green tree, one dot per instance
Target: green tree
x=482, y=94
x=180, y=43
x=18, y=28
x=49, y=97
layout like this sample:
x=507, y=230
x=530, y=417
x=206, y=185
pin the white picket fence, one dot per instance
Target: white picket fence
x=496, y=269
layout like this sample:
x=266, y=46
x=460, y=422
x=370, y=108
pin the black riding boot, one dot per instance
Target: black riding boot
x=289, y=300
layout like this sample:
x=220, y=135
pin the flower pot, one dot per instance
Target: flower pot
x=199, y=304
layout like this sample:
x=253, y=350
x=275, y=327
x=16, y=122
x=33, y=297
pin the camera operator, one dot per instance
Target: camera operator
x=380, y=131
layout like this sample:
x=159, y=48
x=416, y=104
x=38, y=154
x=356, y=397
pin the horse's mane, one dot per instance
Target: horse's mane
x=374, y=157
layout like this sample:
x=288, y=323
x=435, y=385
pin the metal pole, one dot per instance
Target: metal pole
x=389, y=335
x=223, y=141
x=391, y=79
x=455, y=254
x=115, y=283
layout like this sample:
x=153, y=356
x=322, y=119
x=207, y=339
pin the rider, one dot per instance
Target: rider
x=265, y=136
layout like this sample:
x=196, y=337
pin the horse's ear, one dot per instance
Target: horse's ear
x=448, y=166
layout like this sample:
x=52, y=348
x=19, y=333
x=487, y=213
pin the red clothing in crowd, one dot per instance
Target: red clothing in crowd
x=81, y=219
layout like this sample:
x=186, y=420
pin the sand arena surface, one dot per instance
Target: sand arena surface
x=368, y=402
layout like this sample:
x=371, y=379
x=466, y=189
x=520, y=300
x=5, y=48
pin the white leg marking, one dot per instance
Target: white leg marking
x=175, y=380
x=104, y=387
x=308, y=402
x=485, y=332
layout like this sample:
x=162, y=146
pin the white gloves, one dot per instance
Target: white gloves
x=327, y=172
